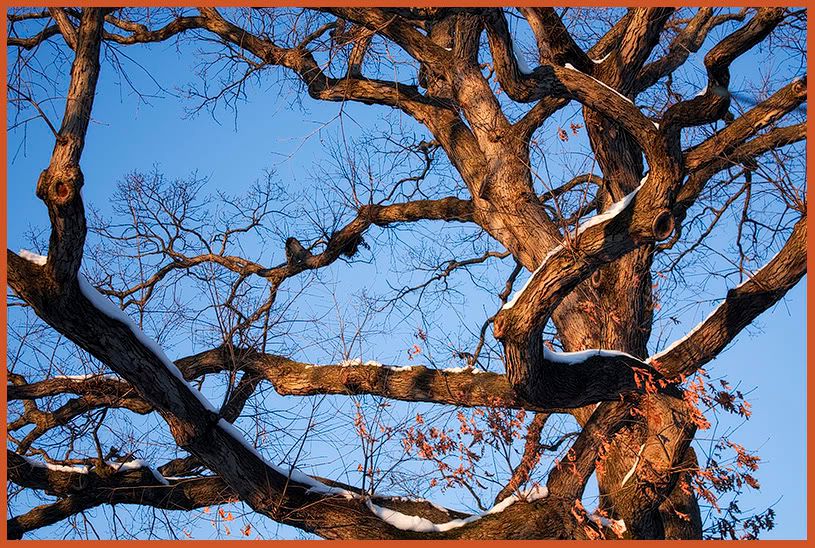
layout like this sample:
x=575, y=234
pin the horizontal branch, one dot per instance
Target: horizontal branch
x=342, y=242
x=80, y=491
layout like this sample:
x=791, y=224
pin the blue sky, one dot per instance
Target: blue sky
x=769, y=359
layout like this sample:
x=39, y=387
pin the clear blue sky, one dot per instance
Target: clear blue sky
x=769, y=358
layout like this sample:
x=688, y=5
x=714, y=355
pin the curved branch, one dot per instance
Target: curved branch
x=714, y=102
x=33, y=41
x=687, y=41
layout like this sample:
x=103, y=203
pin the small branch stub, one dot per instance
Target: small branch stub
x=799, y=88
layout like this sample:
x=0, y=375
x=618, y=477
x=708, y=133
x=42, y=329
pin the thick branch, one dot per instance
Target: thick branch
x=555, y=43
x=639, y=39
x=742, y=305
x=60, y=184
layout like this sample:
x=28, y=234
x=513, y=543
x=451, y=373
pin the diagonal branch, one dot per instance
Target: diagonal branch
x=555, y=42
x=65, y=27
x=744, y=153
x=529, y=459
x=764, y=114
x=741, y=306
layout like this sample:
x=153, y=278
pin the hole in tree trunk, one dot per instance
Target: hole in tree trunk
x=663, y=225
x=62, y=190
x=596, y=278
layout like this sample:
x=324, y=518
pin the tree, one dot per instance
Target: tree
x=667, y=170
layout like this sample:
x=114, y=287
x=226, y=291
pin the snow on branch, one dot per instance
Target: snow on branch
x=33, y=257
x=73, y=469
x=615, y=209
x=583, y=355
x=617, y=525
x=422, y=525
x=106, y=307
x=571, y=67
x=135, y=464
x=634, y=467
x=357, y=362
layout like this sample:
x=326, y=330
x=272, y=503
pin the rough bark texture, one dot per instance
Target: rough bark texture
x=593, y=283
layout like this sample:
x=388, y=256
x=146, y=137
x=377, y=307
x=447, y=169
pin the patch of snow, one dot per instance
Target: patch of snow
x=135, y=464
x=138, y=464
x=613, y=211
x=519, y=59
x=464, y=369
x=636, y=462
x=76, y=469
x=106, y=307
x=33, y=257
x=571, y=67
x=88, y=376
x=293, y=473
x=422, y=525
x=358, y=362
x=161, y=479
x=582, y=355
x=616, y=524
x=536, y=492
x=598, y=61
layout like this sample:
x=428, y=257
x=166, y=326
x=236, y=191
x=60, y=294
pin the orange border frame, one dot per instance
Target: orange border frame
x=810, y=148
